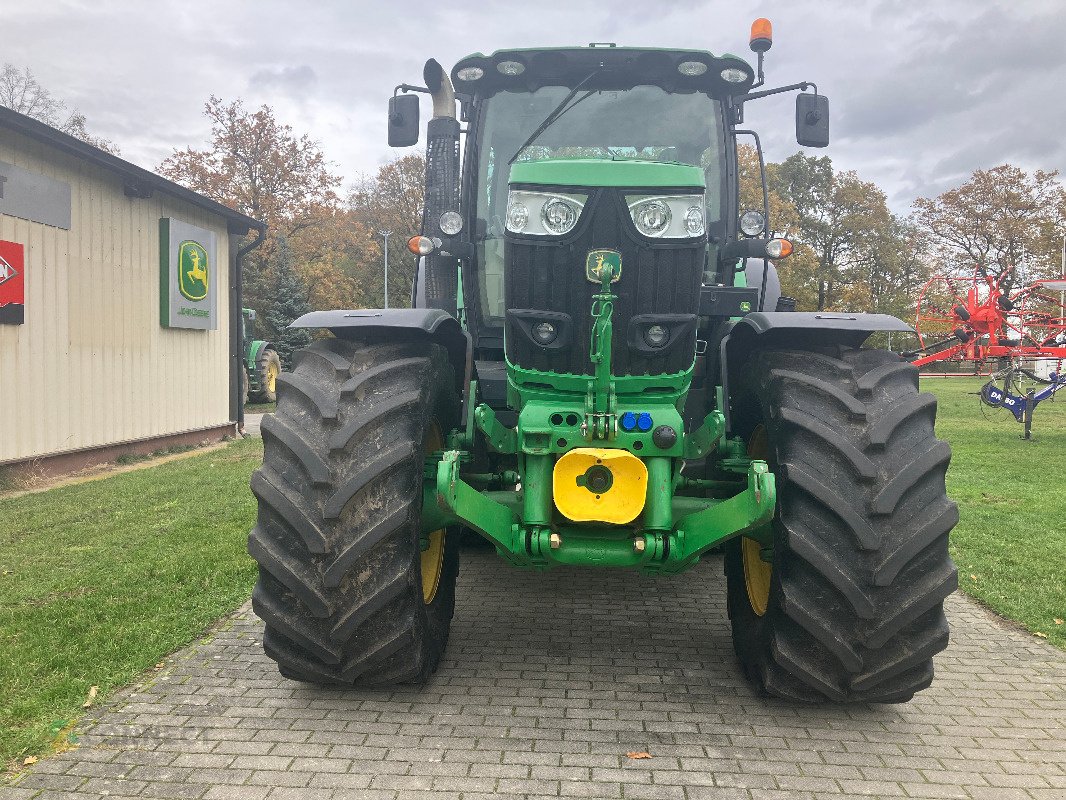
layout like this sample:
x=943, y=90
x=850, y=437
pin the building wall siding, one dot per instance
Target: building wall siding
x=91, y=365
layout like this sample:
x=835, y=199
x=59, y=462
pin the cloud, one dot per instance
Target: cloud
x=295, y=82
x=921, y=94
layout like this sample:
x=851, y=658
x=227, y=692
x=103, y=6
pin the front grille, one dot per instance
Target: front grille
x=658, y=277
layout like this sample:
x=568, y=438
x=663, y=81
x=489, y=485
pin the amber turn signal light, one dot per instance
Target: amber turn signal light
x=778, y=248
x=420, y=245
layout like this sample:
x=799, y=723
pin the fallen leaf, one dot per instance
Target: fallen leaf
x=1058, y=621
x=636, y=754
x=29, y=760
x=1041, y=635
x=92, y=696
x=973, y=577
x=160, y=665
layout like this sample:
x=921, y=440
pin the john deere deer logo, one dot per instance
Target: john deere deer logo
x=599, y=261
x=192, y=271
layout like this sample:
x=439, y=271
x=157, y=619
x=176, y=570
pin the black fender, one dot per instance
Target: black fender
x=795, y=330
x=431, y=325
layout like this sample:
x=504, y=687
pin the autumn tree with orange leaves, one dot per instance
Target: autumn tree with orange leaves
x=851, y=253
x=260, y=167
x=390, y=201
x=1001, y=220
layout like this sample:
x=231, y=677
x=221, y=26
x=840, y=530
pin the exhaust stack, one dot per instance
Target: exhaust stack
x=440, y=272
x=440, y=87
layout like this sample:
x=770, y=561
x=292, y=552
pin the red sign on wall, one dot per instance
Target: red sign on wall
x=12, y=283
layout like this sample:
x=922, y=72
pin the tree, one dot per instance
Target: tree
x=798, y=270
x=258, y=166
x=291, y=302
x=784, y=217
x=1001, y=220
x=390, y=201
x=846, y=224
x=22, y=92
x=889, y=280
x=849, y=252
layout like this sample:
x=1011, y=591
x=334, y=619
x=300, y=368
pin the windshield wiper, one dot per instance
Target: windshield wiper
x=556, y=112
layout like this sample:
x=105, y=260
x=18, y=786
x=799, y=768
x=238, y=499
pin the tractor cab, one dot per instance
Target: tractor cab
x=570, y=151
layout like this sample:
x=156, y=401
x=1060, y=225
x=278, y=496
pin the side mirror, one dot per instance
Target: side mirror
x=403, y=120
x=812, y=120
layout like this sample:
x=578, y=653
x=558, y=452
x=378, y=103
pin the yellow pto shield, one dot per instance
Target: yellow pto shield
x=595, y=485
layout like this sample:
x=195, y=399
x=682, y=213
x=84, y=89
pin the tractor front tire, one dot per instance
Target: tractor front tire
x=349, y=588
x=268, y=368
x=848, y=603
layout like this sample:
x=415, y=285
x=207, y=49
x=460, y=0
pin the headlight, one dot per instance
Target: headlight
x=752, y=223
x=675, y=216
x=470, y=73
x=517, y=216
x=511, y=67
x=734, y=75
x=542, y=214
x=657, y=335
x=692, y=68
x=652, y=217
x=545, y=332
x=694, y=220
x=451, y=223
x=559, y=216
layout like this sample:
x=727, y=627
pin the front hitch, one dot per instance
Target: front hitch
x=462, y=503
x=748, y=513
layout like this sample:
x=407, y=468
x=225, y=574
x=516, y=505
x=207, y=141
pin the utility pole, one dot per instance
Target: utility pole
x=385, y=235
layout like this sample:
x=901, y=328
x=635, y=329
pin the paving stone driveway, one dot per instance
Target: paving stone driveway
x=548, y=682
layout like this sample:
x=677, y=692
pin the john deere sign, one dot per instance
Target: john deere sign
x=187, y=276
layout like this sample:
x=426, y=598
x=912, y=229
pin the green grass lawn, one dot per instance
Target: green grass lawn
x=1010, y=544
x=100, y=580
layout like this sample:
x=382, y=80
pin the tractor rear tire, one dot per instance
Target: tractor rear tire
x=267, y=369
x=349, y=589
x=852, y=600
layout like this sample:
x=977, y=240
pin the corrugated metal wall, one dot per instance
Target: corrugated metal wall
x=92, y=365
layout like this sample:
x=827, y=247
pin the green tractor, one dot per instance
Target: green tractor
x=598, y=371
x=262, y=364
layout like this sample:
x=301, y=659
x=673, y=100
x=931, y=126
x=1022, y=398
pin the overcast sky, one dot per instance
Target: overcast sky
x=922, y=92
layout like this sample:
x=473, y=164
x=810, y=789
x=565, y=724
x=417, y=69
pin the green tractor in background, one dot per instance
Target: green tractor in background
x=262, y=364
x=598, y=371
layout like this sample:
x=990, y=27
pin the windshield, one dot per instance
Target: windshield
x=644, y=122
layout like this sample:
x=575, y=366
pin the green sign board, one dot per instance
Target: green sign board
x=187, y=276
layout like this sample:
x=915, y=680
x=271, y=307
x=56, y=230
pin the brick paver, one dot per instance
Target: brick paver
x=549, y=680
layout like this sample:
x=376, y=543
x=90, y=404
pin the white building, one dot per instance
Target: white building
x=120, y=327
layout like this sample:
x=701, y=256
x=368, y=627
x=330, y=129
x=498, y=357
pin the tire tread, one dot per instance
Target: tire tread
x=861, y=564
